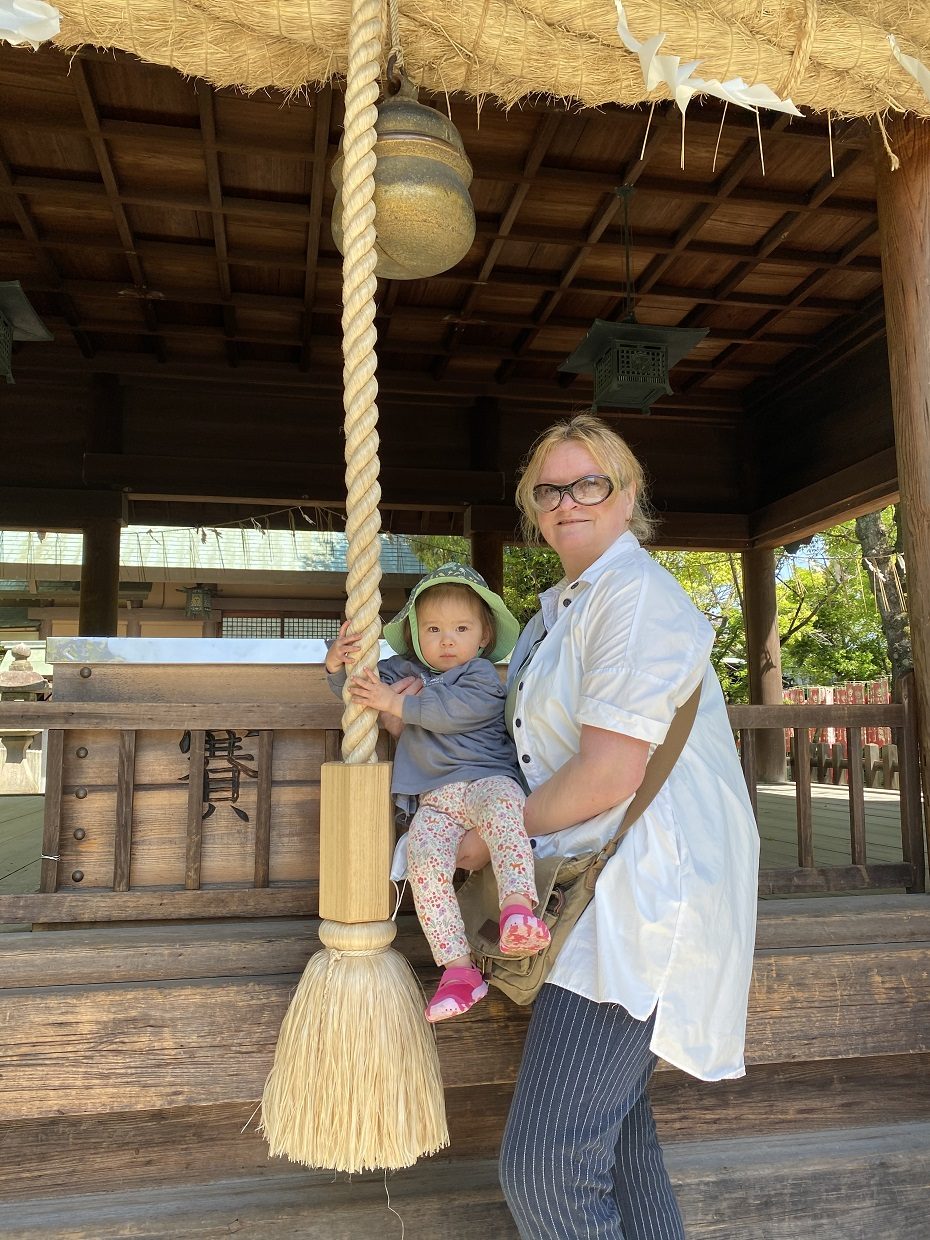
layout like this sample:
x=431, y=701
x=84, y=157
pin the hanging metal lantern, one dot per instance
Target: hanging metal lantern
x=424, y=218
x=630, y=361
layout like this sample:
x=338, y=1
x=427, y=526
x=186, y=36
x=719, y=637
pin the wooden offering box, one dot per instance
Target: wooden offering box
x=198, y=768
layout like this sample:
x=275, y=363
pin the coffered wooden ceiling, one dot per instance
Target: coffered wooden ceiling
x=166, y=231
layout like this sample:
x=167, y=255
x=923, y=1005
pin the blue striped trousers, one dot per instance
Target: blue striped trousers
x=580, y=1156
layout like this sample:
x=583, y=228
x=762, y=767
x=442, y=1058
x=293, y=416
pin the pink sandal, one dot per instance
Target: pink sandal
x=458, y=990
x=522, y=932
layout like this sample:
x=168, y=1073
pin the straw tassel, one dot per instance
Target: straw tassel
x=355, y=1083
x=354, y=1089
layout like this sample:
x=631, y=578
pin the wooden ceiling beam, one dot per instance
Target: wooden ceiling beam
x=324, y=110
x=725, y=292
x=95, y=195
x=780, y=231
x=88, y=106
x=671, y=187
x=802, y=293
x=30, y=237
x=842, y=495
x=724, y=187
x=771, y=242
x=545, y=177
x=704, y=120
x=790, y=367
x=535, y=281
x=207, y=112
x=832, y=346
x=58, y=508
x=545, y=135
x=405, y=385
x=662, y=243
x=165, y=476
x=332, y=342
x=293, y=260
x=609, y=209
x=411, y=315
x=290, y=259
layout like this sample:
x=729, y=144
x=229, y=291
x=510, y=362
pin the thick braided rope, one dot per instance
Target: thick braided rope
x=363, y=521
x=802, y=53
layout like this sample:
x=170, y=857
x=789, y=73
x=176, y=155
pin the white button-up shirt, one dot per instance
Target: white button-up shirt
x=672, y=926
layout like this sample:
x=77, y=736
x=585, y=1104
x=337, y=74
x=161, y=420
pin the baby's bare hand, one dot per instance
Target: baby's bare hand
x=344, y=650
x=366, y=689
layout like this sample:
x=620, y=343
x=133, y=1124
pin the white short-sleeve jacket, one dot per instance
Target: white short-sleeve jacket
x=672, y=925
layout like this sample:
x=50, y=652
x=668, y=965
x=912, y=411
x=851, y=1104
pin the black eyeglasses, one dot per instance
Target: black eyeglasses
x=592, y=489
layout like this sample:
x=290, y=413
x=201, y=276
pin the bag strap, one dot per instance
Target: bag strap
x=658, y=769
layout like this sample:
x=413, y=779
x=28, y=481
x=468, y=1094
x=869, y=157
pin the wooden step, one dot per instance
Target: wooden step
x=866, y=1184
x=63, y=1155
x=828, y=1185
x=133, y=1057
x=434, y=1201
x=142, y=1018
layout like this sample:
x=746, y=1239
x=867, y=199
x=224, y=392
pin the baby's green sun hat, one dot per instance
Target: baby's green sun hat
x=505, y=622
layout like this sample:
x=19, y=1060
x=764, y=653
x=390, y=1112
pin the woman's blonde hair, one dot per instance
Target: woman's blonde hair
x=613, y=455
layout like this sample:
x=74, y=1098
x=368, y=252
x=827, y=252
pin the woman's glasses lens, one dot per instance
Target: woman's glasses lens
x=593, y=489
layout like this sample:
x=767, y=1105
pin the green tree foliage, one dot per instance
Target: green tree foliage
x=713, y=581
x=830, y=628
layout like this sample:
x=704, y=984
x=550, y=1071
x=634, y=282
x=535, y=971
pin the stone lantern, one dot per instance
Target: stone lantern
x=19, y=683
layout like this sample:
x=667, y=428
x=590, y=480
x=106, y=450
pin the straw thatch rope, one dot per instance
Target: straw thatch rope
x=834, y=56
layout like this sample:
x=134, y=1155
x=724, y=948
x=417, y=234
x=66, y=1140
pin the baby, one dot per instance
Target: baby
x=455, y=766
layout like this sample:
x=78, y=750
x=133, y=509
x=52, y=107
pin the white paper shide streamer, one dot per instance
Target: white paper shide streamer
x=29, y=22
x=916, y=68
x=679, y=78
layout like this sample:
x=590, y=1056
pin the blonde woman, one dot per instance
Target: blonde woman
x=659, y=964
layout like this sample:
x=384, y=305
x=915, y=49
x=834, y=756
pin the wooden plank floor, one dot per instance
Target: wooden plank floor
x=20, y=842
x=830, y=807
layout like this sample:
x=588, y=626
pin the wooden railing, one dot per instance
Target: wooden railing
x=129, y=833
x=900, y=717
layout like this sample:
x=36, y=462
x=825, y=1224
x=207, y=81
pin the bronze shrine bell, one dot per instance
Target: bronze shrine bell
x=424, y=218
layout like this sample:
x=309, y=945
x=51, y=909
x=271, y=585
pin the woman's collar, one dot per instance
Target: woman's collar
x=618, y=549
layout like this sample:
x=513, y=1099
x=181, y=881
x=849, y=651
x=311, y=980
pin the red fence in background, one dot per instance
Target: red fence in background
x=853, y=694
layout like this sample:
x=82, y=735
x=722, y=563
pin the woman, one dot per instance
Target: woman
x=659, y=964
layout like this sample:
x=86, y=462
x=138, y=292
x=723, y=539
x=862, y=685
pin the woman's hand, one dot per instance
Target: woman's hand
x=473, y=853
x=344, y=650
x=407, y=686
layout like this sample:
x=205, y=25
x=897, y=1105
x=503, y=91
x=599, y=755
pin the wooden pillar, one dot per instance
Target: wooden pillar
x=487, y=556
x=904, y=229
x=763, y=650
x=487, y=546
x=99, y=606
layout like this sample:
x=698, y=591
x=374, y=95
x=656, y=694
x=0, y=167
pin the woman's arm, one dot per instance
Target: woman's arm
x=607, y=770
